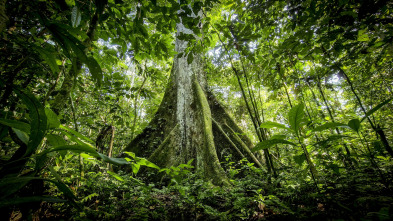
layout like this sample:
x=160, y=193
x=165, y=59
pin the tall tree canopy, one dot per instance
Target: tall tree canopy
x=300, y=91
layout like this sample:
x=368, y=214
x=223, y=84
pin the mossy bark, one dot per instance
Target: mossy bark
x=183, y=128
x=211, y=132
x=3, y=16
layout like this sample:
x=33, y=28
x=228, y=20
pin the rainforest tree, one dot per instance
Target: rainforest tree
x=285, y=106
x=190, y=123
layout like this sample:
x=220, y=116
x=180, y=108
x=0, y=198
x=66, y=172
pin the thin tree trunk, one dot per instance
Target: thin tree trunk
x=111, y=147
x=135, y=108
x=330, y=113
x=3, y=16
x=377, y=129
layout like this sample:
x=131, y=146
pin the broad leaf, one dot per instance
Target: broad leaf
x=323, y=143
x=74, y=148
x=16, y=124
x=72, y=47
x=268, y=143
x=49, y=58
x=75, y=17
x=95, y=70
x=131, y=154
x=278, y=136
x=296, y=117
x=115, y=175
x=354, y=124
x=190, y=58
x=144, y=162
x=270, y=124
x=116, y=161
x=55, y=140
x=38, y=120
x=21, y=135
x=87, y=149
x=77, y=134
x=135, y=168
x=299, y=159
x=329, y=125
x=53, y=121
x=375, y=109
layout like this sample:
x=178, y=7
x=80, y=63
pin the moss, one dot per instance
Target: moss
x=228, y=140
x=164, y=155
x=243, y=146
x=145, y=143
x=211, y=165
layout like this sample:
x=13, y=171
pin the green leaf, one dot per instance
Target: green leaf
x=135, y=168
x=75, y=17
x=64, y=188
x=53, y=121
x=329, y=125
x=95, y=70
x=10, y=185
x=74, y=148
x=334, y=167
x=67, y=41
x=115, y=175
x=55, y=140
x=375, y=109
x=278, y=136
x=116, y=161
x=131, y=154
x=85, y=148
x=21, y=135
x=49, y=58
x=268, y=143
x=362, y=35
x=70, y=2
x=269, y=124
x=144, y=162
x=354, y=124
x=299, y=159
x=296, y=117
x=77, y=134
x=332, y=138
x=16, y=124
x=38, y=120
x=190, y=58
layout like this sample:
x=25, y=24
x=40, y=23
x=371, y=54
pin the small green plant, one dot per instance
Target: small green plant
x=39, y=135
x=177, y=173
x=297, y=121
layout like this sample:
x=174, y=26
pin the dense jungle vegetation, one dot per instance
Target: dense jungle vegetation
x=308, y=82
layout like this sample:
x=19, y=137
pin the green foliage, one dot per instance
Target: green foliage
x=269, y=143
x=137, y=162
x=296, y=118
x=379, y=106
x=111, y=60
x=178, y=173
x=354, y=124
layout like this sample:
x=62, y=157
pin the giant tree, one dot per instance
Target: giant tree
x=190, y=122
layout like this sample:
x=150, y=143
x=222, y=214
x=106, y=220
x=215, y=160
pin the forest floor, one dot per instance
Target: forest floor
x=351, y=195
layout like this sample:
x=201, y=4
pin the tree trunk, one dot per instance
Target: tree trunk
x=182, y=128
x=3, y=16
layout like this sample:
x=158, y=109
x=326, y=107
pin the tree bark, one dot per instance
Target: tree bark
x=3, y=16
x=182, y=128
